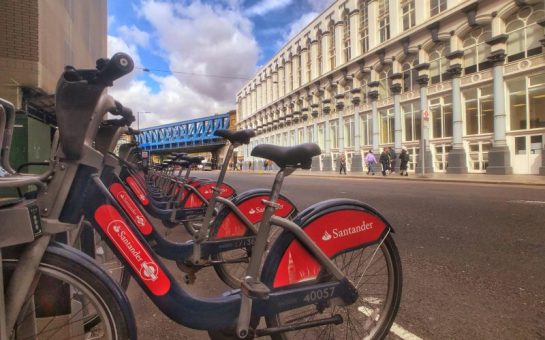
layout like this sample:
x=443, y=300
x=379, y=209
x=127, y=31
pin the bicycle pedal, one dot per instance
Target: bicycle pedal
x=254, y=289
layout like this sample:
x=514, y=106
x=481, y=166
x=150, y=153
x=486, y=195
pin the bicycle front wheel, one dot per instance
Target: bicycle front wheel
x=376, y=273
x=71, y=298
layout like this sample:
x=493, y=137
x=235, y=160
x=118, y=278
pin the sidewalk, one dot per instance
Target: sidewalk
x=435, y=177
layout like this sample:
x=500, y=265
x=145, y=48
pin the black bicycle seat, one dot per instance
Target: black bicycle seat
x=241, y=137
x=299, y=156
x=192, y=159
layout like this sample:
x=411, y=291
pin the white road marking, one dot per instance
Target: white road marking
x=396, y=329
x=527, y=202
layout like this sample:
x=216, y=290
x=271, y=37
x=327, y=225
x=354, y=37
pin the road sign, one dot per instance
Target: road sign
x=426, y=115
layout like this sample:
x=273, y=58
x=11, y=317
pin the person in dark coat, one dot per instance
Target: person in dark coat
x=404, y=158
x=384, y=161
x=342, y=164
x=392, y=155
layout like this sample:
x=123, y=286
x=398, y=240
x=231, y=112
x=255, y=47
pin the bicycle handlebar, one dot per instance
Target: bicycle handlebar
x=114, y=68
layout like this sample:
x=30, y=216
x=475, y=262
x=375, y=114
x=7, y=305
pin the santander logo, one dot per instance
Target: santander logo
x=261, y=210
x=344, y=232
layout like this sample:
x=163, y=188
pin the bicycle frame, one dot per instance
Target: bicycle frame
x=107, y=216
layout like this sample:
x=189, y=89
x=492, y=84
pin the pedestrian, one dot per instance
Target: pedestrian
x=371, y=161
x=384, y=161
x=250, y=165
x=392, y=154
x=342, y=164
x=265, y=165
x=404, y=158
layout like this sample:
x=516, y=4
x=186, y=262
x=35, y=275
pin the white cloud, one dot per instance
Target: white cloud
x=266, y=6
x=134, y=35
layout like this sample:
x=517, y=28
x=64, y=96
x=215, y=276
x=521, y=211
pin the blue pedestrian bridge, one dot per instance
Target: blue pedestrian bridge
x=196, y=135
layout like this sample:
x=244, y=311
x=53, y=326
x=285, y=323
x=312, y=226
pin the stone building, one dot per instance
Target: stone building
x=37, y=39
x=462, y=79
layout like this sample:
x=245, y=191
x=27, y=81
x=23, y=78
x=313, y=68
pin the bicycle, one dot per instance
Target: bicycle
x=52, y=290
x=322, y=263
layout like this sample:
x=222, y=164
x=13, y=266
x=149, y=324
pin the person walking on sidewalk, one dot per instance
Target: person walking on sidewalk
x=371, y=161
x=392, y=155
x=342, y=164
x=384, y=161
x=404, y=158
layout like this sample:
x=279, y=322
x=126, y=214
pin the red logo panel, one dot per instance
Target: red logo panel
x=333, y=233
x=131, y=209
x=193, y=201
x=138, y=191
x=133, y=251
x=253, y=209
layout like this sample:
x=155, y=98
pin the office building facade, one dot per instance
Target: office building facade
x=463, y=80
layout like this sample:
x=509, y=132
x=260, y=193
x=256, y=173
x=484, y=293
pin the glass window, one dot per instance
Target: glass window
x=411, y=120
x=526, y=102
x=383, y=20
x=437, y=6
x=479, y=110
x=349, y=133
x=441, y=117
x=319, y=58
x=408, y=14
x=476, y=50
x=386, y=126
x=310, y=134
x=309, y=62
x=524, y=32
x=332, y=46
x=346, y=38
x=301, y=136
x=438, y=64
x=364, y=26
x=321, y=136
x=410, y=75
x=385, y=83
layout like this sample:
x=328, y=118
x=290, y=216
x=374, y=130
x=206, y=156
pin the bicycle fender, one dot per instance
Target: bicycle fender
x=336, y=226
x=206, y=190
x=227, y=224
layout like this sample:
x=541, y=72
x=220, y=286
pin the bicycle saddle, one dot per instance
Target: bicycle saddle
x=299, y=156
x=192, y=159
x=241, y=137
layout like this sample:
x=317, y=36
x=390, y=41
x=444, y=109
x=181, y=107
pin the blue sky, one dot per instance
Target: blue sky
x=198, y=53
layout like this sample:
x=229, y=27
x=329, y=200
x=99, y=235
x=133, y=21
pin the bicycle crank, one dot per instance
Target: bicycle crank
x=336, y=319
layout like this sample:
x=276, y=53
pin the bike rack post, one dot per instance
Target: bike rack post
x=3, y=331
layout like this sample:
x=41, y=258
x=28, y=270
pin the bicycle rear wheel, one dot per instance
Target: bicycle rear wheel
x=71, y=298
x=376, y=273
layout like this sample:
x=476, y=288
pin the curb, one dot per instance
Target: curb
x=419, y=179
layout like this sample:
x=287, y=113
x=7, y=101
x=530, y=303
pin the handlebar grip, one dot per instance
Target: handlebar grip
x=124, y=112
x=114, y=68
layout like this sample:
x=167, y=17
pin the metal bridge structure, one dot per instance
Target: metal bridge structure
x=196, y=135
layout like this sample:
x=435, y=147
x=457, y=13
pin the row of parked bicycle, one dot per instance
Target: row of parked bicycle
x=71, y=244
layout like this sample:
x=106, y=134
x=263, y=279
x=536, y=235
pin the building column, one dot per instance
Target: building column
x=304, y=60
x=457, y=158
x=295, y=72
x=396, y=91
x=315, y=160
x=424, y=130
x=372, y=10
x=339, y=44
x=373, y=96
x=499, y=156
x=354, y=34
x=357, y=160
x=313, y=55
x=326, y=166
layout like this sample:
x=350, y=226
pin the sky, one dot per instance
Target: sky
x=192, y=57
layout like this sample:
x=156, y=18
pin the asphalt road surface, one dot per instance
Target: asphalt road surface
x=473, y=256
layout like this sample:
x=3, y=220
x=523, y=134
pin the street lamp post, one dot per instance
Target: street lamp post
x=138, y=118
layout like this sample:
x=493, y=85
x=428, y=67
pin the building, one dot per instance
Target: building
x=37, y=39
x=468, y=76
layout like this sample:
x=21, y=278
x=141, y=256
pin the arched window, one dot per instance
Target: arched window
x=332, y=45
x=364, y=26
x=524, y=33
x=476, y=50
x=409, y=74
x=438, y=63
x=384, y=82
x=346, y=36
x=309, y=61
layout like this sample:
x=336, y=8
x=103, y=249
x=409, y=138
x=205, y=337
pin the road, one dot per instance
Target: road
x=472, y=255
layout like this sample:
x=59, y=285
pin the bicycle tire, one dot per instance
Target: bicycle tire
x=71, y=294
x=366, y=308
